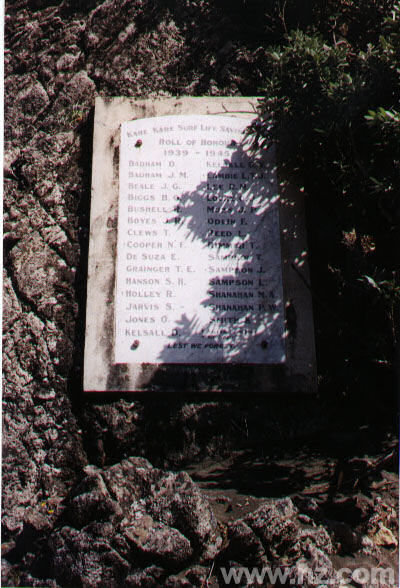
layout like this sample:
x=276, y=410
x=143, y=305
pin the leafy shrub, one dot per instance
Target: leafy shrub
x=332, y=108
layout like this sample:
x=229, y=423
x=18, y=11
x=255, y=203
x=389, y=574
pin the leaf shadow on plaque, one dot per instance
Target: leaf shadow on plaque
x=225, y=215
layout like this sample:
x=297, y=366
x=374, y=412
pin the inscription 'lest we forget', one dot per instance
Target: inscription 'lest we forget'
x=199, y=275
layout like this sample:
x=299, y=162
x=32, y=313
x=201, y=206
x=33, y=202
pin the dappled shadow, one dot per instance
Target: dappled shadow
x=233, y=215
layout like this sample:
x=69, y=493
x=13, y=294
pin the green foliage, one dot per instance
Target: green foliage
x=332, y=107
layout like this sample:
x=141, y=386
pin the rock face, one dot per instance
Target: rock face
x=274, y=537
x=128, y=516
x=119, y=521
x=59, y=55
x=132, y=525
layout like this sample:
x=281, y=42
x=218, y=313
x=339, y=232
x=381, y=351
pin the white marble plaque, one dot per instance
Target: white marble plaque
x=198, y=276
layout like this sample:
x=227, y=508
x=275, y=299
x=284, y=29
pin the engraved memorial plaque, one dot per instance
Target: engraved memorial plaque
x=198, y=276
x=197, y=271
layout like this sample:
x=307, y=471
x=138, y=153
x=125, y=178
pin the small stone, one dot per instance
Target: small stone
x=384, y=537
x=243, y=543
x=159, y=542
x=274, y=524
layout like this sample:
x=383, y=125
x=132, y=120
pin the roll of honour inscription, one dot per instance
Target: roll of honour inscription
x=199, y=275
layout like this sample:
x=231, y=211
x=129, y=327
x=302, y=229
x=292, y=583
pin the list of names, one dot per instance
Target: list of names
x=198, y=277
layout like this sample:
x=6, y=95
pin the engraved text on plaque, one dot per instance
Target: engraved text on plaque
x=198, y=277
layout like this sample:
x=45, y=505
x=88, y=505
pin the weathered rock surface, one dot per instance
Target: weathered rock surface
x=244, y=544
x=131, y=524
x=274, y=536
x=120, y=521
x=117, y=523
x=58, y=56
